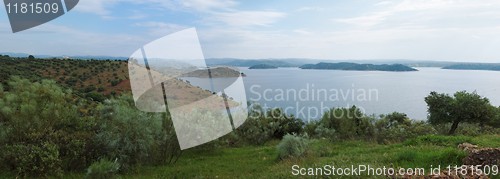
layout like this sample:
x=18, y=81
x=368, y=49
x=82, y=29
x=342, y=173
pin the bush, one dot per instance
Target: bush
x=397, y=127
x=115, y=82
x=132, y=136
x=42, y=130
x=349, y=123
x=94, y=96
x=292, y=146
x=468, y=129
x=255, y=131
x=261, y=126
x=316, y=129
x=439, y=140
x=103, y=169
x=33, y=160
x=283, y=124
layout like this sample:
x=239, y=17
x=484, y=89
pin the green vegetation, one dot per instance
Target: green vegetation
x=292, y=146
x=217, y=72
x=474, y=66
x=357, y=67
x=252, y=62
x=262, y=66
x=462, y=107
x=103, y=169
x=262, y=162
x=78, y=75
x=51, y=129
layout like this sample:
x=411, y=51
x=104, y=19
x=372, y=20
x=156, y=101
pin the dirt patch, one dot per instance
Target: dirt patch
x=480, y=156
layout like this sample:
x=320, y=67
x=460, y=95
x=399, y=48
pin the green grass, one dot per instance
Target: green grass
x=262, y=162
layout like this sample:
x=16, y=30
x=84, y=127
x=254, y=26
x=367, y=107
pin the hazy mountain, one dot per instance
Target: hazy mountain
x=262, y=66
x=357, y=67
x=474, y=66
x=284, y=62
x=83, y=57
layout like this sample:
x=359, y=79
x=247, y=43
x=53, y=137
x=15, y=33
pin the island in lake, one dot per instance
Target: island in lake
x=357, y=67
x=217, y=72
x=474, y=66
x=263, y=66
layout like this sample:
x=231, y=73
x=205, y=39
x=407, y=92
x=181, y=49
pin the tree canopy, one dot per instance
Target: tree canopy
x=461, y=107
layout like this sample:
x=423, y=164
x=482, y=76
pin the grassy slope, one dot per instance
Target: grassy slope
x=75, y=74
x=81, y=74
x=261, y=162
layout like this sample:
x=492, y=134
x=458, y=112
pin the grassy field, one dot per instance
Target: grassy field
x=262, y=162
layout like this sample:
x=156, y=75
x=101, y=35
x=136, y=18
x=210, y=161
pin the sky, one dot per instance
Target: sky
x=444, y=30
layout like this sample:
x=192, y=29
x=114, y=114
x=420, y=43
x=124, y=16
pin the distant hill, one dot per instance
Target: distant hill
x=262, y=66
x=357, y=67
x=475, y=66
x=80, y=57
x=92, y=79
x=297, y=62
x=280, y=62
x=218, y=72
x=253, y=62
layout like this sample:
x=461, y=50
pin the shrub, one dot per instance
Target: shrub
x=42, y=130
x=115, y=82
x=95, y=96
x=103, y=169
x=450, y=141
x=261, y=126
x=316, y=129
x=468, y=129
x=255, y=131
x=283, y=124
x=349, y=123
x=100, y=88
x=397, y=127
x=292, y=146
x=33, y=160
x=131, y=135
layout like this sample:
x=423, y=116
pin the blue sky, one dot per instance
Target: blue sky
x=453, y=30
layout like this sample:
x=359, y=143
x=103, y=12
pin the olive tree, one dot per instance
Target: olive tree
x=461, y=107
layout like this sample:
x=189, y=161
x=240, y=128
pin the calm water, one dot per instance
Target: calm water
x=307, y=93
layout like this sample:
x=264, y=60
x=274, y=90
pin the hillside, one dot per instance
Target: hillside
x=262, y=66
x=252, y=62
x=474, y=66
x=96, y=79
x=357, y=67
x=218, y=72
x=102, y=76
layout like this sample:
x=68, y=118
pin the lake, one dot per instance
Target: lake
x=308, y=93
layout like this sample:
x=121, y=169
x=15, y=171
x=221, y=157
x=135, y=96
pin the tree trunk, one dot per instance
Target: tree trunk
x=454, y=127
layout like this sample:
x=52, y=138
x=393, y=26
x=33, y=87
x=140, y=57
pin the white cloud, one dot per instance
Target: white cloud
x=366, y=20
x=384, y=3
x=101, y=7
x=246, y=18
x=160, y=28
x=98, y=7
x=302, y=32
x=310, y=8
x=208, y=5
x=424, y=13
x=50, y=39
